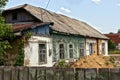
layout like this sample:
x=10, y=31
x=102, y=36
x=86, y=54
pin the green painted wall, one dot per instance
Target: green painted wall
x=66, y=40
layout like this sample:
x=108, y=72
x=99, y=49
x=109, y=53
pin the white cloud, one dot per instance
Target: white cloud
x=59, y=12
x=65, y=10
x=96, y=1
x=118, y=4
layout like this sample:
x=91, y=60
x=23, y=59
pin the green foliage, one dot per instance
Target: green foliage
x=28, y=35
x=20, y=58
x=2, y=4
x=111, y=45
x=114, y=51
x=62, y=64
x=118, y=30
x=6, y=33
x=3, y=46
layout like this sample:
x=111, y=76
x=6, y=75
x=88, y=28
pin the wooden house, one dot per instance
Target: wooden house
x=54, y=36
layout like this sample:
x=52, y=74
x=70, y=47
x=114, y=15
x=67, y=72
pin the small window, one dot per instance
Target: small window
x=71, y=51
x=42, y=53
x=103, y=48
x=91, y=48
x=61, y=51
x=81, y=50
x=14, y=16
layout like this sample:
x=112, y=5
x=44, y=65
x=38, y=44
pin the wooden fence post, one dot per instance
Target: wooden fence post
x=76, y=73
x=38, y=73
x=1, y=72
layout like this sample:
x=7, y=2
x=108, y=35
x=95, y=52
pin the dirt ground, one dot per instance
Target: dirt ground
x=94, y=61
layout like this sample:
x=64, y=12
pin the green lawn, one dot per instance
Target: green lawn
x=114, y=52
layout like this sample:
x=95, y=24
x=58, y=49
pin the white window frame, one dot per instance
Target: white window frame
x=92, y=48
x=41, y=54
x=103, y=48
x=71, y=49
x=81, y=48
x=63, y=51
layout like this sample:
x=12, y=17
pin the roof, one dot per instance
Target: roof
x=62, y=23
x=114, y=37
x=25, y=26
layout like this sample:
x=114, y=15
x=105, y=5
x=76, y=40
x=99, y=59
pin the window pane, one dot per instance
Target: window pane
x=103, y=48
x=71, y=51
x=42, y=52
x=91, y=48
x=61, y=51
x=61, y=46
x=14, y=16
x=70, y=46
x=81, y=50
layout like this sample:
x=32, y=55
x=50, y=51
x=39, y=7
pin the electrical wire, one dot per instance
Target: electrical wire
x=47, y=4
x=45, y=11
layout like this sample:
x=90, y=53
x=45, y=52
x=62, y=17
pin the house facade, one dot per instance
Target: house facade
x=54, y=36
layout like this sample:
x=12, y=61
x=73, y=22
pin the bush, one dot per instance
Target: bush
x=111, y=45
x=114, y=52
x=62, y=64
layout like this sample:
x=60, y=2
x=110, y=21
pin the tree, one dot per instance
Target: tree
x=118, y=30
x=111, y=45
x=2, y=4
x=6, y=33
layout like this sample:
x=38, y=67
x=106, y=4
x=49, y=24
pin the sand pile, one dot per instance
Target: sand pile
x=94, y=61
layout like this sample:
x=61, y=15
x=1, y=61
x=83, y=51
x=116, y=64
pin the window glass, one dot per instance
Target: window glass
x=103, y=48
x=14, y=16
x=61, y=51
x=81, y=50
x=42, y=53
x=71, y=51
x=91, y=48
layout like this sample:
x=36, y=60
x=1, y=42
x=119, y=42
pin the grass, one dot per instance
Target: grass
x=114, y=52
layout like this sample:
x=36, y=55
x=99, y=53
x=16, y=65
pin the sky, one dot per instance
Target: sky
x=103, y=15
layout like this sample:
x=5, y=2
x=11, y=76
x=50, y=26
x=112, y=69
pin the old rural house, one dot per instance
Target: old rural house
x=55, y=36
x=115, y=38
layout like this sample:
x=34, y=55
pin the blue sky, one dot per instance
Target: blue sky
x=104, y=15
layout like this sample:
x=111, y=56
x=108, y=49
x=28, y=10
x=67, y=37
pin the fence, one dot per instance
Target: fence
x=38, y=73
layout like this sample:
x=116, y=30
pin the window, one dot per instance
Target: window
x=103, y=48
x=14, y=16
x=91, y=48
x=81, y=50
x=61, y=51
x=71, y=51
x=42, y=53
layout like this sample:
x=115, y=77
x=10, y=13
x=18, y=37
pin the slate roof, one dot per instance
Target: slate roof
x=114, y=37
x=62, y=23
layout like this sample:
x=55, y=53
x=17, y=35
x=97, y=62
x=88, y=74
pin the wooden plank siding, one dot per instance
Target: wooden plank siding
x=66, y=40
x=40, y=30
x=49, y=73
x=22, y=16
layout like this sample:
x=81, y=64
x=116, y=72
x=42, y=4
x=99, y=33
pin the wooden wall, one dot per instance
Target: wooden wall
x=22, y=16
x=66, y=40
x=38, y=73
